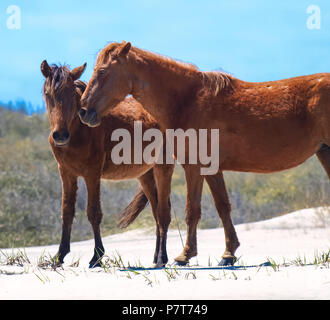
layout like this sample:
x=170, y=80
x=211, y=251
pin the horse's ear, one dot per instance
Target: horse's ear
x=124, y=49
x=46, y=70
x=77, y=72
x=80, y=87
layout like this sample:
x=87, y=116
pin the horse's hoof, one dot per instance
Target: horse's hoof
x=158, y=265
x=59, y=258
x=180, y=263
x=227, y=262
x=57, y=262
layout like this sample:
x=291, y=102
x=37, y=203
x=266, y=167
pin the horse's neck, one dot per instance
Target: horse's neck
x=161, y=90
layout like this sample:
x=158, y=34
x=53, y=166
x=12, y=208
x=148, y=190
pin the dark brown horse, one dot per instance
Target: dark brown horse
x=86, y=152
x=264, y=127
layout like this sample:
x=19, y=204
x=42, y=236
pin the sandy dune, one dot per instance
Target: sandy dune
x=286, y=240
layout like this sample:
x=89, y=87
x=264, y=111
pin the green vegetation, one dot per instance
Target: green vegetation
x=30, y=190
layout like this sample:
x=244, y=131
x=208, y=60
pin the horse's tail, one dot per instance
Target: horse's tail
x=131, y=212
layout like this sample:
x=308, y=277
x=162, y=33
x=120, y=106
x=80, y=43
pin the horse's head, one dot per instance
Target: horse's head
x=110, y=83
x=62, y=96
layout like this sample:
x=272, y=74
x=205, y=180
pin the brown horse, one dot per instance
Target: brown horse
x=82, y=151
x=264, y=127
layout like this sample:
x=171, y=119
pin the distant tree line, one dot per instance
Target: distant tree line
x=23, y=107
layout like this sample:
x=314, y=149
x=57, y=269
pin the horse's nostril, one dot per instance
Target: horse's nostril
x=82, y=113
x=92, y=115
x=61, y=138
x=65, y=136
x=88, y=117
x=56, y=136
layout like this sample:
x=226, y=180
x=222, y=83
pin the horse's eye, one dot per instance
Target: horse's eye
x=102, y=71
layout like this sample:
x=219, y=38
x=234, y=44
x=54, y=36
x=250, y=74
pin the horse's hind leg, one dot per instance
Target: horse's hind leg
x=221, y=200
x=156, y=185
x=94, y=214
x=148, y=185
x=69, y=194
x=324, y=156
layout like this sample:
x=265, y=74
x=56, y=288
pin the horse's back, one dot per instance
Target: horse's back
x=128, y=111
x=276, y=125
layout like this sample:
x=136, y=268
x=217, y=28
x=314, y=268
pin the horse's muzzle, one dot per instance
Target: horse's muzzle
x=89, y=117
x=61, y=138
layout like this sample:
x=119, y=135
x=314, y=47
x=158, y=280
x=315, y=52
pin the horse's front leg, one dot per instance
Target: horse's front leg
x=94, y=214
x=69, y=195
x=193, y=212
x=148, y=185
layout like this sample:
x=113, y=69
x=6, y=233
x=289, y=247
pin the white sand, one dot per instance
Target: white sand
x=283, y=239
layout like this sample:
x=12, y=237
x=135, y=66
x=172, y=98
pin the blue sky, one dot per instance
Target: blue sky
x=255, y=40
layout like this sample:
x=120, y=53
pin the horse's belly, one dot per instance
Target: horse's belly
x=263, y=165
x=266, y=155
x=125, y=171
